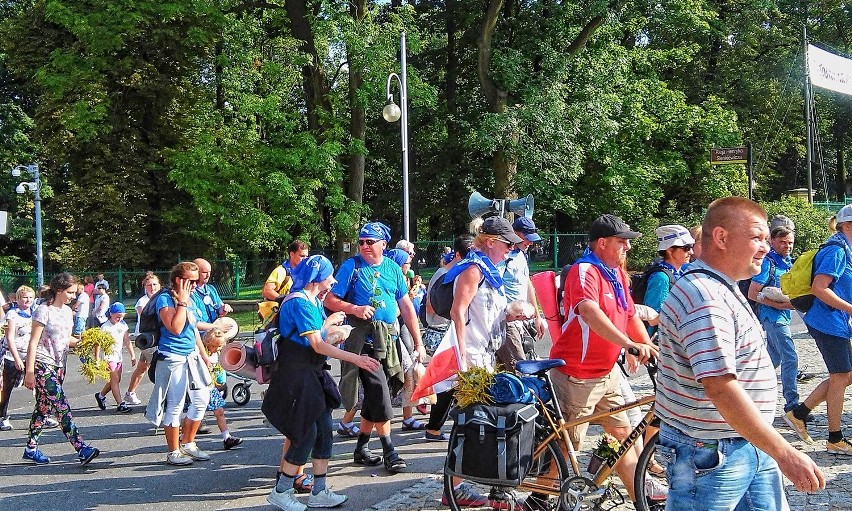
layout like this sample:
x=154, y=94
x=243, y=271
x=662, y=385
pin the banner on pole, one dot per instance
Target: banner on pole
x=829, y=71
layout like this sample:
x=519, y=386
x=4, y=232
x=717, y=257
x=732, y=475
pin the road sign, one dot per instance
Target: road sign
x=728, y=155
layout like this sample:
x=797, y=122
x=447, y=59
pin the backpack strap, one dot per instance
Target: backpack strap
x=287, y=278
x=350, y=287
x=459, y=448
x=501, y=447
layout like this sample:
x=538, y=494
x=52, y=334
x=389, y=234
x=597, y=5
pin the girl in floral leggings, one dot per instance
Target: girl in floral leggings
x=50, y=340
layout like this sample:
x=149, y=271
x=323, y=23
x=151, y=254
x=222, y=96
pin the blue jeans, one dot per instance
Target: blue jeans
x=782, y=351
x=317, y=443
x=719, y=475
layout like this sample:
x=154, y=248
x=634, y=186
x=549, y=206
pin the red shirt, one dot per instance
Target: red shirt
x=586, y=354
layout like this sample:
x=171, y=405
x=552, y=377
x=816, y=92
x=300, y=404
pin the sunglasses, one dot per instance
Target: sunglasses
x=685, y=248
x=191, y=281
x=368, y=242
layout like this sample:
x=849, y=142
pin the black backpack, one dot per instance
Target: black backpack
x=639, y=281
x=149, y=321
x=442, y=294
x=746, y=283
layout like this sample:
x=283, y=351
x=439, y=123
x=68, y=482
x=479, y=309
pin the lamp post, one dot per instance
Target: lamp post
x=393, y=113
x=35, y=187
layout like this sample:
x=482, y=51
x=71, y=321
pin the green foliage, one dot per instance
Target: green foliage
x=811, y=223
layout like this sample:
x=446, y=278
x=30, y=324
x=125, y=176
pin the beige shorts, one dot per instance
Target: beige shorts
x=580, y=398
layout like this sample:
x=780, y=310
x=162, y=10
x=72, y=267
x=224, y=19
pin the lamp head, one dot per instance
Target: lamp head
x=391, y=112
x=21, y=188
x=16, y=172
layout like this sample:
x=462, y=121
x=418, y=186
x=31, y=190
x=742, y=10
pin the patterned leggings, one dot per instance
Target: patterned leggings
x=50, y=397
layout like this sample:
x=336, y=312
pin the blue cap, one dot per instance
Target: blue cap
x=116, y=308
x=399, y=256
x=315, y=268
x=526, y=227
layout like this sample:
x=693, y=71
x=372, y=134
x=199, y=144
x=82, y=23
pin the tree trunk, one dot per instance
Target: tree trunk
x=314, y=81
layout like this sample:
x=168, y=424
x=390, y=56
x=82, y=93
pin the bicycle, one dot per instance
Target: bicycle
x=552, y=483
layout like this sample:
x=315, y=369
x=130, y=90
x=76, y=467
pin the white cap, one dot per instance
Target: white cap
x=845, y=214
x=673, y=236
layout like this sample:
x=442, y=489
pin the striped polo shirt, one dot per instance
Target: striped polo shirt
x=708, y=329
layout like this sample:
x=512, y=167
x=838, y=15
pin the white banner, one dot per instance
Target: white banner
x=829, y=71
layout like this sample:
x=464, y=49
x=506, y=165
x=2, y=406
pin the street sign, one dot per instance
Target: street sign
x=728, y=155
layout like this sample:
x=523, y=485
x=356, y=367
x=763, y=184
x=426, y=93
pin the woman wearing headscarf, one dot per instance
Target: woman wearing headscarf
x=301, y=392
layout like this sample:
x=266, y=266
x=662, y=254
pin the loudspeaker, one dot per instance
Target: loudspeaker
x=478, y=205
x=522, y=207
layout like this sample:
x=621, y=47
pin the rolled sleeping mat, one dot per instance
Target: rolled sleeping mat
x=145, y=341
x=237, y=358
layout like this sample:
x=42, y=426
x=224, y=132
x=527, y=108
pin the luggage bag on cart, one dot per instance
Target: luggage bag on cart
x=492, y=444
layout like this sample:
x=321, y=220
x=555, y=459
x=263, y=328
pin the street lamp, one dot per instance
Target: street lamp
x=33, y=186
x=392, y=113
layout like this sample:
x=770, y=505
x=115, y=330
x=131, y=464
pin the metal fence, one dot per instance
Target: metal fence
x=244, y=278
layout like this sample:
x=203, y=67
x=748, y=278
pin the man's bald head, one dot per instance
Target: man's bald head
x=204, y=269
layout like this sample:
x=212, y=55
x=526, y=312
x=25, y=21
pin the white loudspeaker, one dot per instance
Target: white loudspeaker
x=478, y=205
x=523, y=207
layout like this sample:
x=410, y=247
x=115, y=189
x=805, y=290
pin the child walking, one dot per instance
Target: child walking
x=47, y=352
x=214, y=340
x=118, y=330
x=18, y=326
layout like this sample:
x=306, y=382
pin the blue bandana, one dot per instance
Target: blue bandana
x=315, y=268
x=376, y=231
x=609, y=274
x=398, y=256
x=675, y=272
x=24, y=313
x=489, y=271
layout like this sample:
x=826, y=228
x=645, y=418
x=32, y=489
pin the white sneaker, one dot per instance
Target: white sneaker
x=178, y=458
x=131, y=399
x=286, y=500
x=655, y=490
x=50, y=423
x=5, y=425
x=326, y=498
x=191, y=449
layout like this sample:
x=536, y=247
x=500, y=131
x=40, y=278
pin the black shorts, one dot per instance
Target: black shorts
x=377, y=400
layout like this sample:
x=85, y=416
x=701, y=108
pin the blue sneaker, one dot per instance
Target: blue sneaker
x=87, y=453
x=35, y=456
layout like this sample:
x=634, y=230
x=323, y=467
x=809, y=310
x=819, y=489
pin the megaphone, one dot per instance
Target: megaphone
x=478, y=205
x=522, y=207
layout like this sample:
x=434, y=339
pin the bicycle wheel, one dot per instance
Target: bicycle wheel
x=539, y=491
x=650, y=477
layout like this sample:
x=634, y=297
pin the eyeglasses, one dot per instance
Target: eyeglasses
x=685, y=248
x=368, y=242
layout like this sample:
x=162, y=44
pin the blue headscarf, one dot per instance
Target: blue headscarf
x=398, y=255
x=315, y=268
x=376, y=231
x=489, y=271
x=610, y=274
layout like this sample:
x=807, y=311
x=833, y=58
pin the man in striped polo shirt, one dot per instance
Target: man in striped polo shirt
x=716, y=388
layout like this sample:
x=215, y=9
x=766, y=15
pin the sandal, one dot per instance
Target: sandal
x=412, y=424
x=656, y=470
x=303, y=483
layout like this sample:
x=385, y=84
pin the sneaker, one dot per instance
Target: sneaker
x=326, y=498
x=350, y=431
x=655, y=490
x=5, y=425
x=191, y=449
x=844, y=446
x=466, y=496
x=440, y=437
x=365, y=456
x=798, y=427
x=178, y=458
x=131, y=398
x=285, y=501
x=50, y=423
x=232, y=442
x=101, y=400
x=802, y=376
x=203, y=428
x=36, y=456
x=123, y=408
x=86, y=454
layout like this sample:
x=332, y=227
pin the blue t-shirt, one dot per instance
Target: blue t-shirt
x=380, y=285
x=836, y=262
x=515, y=266
x=764, y=312
x=298, y=317
x=184, y=343
x=208, y=302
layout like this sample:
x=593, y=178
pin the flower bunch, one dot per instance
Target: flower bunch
x=93, y=368
x=607, y=446
x=472, y=386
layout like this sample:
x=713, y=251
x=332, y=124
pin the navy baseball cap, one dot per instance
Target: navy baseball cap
x=606, y=226
x=526, y=227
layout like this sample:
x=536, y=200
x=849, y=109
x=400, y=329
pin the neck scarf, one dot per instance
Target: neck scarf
x=489, y=271
x=781, y=262
x=610, y=274
x=25, y=313
x=675, y=272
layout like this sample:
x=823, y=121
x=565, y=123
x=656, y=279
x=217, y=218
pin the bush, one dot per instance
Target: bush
x=811, y=222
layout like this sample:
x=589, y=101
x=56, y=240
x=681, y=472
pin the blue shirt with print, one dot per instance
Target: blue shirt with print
x=380, y=285
x=208, y=302
x=836, y=262
x=298, y=317
x=183, y=343
x=765, y=312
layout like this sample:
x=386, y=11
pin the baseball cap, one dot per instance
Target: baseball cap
x=845, y=214
x=673, y=236
x=499, y=226
x=610, y=225
x=781, y=221
x=116, y=308
x=527, y=227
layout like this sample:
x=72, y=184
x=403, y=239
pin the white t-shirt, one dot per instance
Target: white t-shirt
x=52, y=348
x=117, y=332
x=21, y=335
x=140, y=304
x=101, y=306
x=83, y=303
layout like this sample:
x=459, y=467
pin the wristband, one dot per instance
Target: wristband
x=180, y=304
